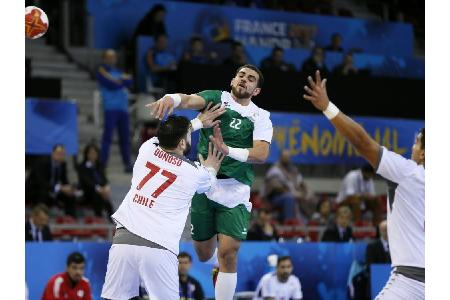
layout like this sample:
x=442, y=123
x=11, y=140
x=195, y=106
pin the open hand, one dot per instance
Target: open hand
x=158, y=109
x=217, y=140
x=316, y=93
x=209, y=115
x=214, y=158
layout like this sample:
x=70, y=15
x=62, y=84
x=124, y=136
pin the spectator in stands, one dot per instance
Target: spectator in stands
x=113, y=83
x=316, y=62
x=323, y=215
x=336, y=43
x=357, y=189
x=346, y=68
x=70, y=284
x=377, y=252
x=281, y=284
x=262, y=229
x=197, y=54
x=237, y=57
x=275, y=61
x=93, y=181
x=285, y=189
x=190, y=288
x=152, y=24
x=340, y=231
x=162, y=64
x=48, y=182
x=36, y=228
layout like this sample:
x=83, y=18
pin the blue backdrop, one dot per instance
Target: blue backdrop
x=322, y=268
x=50, y=122
x=115, y=22
x=312, y=139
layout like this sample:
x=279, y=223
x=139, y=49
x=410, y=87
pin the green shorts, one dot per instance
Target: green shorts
x=209, y=218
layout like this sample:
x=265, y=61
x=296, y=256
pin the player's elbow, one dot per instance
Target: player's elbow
x=261, y=157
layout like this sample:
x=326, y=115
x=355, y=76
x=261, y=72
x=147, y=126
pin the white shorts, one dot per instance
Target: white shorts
x=230, y=193
x=400, y=287
x=129, y=265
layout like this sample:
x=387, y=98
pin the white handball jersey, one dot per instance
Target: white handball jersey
x=406, y=208
x=270, y=286
x=162, y=187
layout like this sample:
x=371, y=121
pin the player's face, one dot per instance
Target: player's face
x=284, y=269
x=244, y=84
x=184, y=264
x=75, y=271
x=418, y=154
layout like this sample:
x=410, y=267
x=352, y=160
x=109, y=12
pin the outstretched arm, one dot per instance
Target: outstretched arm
x=169, y=102
x=316, y=93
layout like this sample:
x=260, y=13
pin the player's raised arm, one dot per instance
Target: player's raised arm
x=169, y=102
x=316, y=93
x=257, y=154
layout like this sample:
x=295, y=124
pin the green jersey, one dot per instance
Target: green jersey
x=240, y=126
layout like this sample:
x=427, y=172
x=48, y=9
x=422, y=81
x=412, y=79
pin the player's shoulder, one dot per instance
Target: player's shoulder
x=59, y=277
x=294, y=279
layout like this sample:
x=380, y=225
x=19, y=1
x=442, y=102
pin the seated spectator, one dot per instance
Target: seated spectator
x=316, y=62
x=346, y=67
x=358, y=192
x=336, y=43
x=323, y=215
x=190, y=288
x=285, y=189
x=197, y=53
x=162, y=64
x=70, y=284
x=377, y=252
x=113, y=83
x=281, y=284
x=262, y=229
x=93, y=181
x=340, y=231
x=36, y=228
x=48, y=182
x=237, y=57
x=275, y=61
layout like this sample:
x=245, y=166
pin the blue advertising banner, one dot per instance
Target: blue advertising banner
x=312, y=139
x=323, y=268
x=379, y=275
x=50, y=122
x=115, y=22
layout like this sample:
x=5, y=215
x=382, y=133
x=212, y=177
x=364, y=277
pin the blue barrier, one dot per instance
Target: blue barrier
x=312, y=139
x=322, y=268
x=50, y=122
x=379, y=275
x=115, y=22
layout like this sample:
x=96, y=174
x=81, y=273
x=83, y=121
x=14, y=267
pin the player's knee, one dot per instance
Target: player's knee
x=228, y=258
x=204, y=253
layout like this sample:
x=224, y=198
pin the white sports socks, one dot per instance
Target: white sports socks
x=225, y=286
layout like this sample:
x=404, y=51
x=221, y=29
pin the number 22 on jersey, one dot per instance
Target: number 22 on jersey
x=154, y=169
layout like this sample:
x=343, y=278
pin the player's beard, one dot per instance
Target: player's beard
x=188, y=149
x=240, y=95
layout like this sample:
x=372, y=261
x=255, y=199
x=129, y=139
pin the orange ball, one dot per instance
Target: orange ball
x=36, y=22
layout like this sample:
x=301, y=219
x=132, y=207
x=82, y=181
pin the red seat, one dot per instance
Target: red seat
x=96, y=220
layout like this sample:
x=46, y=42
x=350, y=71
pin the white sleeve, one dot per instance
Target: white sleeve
x=205, y=179
x=266, y=290
x=263, y=130
x=298, y=290
x=395, y=167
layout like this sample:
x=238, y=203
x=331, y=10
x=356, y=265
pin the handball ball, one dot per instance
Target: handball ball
x=36, y=22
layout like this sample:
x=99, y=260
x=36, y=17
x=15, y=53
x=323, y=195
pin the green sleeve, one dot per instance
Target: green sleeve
x=211, y=96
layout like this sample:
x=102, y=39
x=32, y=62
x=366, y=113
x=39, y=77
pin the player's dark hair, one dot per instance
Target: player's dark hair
x=75, y=258
x=367, y=168
x=171, y=131
x=185, y=255
x=283, y=258
x=254, y=68
x=422, y=138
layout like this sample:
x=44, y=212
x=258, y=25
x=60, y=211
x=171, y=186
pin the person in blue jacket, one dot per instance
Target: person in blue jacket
x=113, y=84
